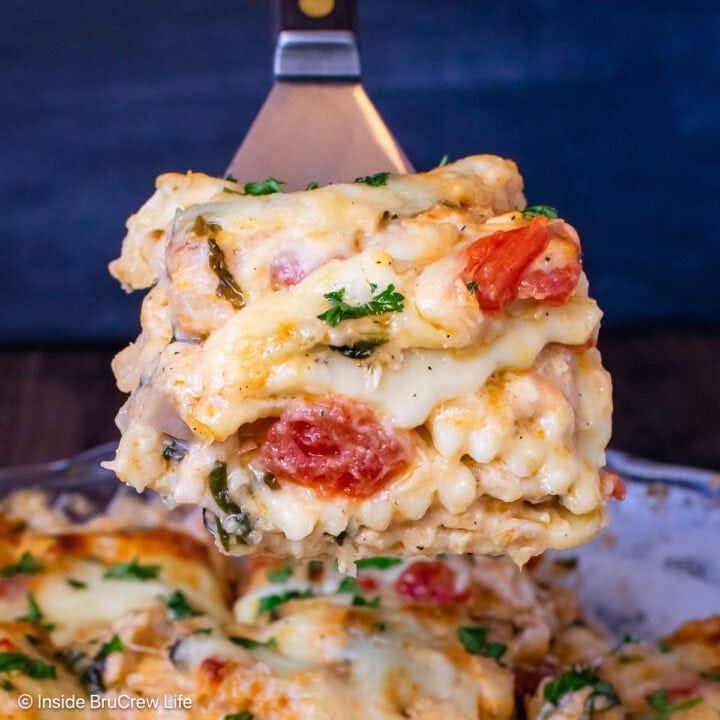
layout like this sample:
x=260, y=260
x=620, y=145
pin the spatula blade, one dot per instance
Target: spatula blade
x=323, y=132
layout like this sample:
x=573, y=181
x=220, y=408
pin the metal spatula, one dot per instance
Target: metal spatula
x=317, y=123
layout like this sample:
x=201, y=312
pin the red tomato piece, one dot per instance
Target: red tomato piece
x=432, y=582
x=614, y=484
x=213, y=669
x=496, y=262
x=554, y=286
x=528, y=676
x=367, y=583
x=556, y=276
x=682, y=692
x=336, y=446
x=504, y=268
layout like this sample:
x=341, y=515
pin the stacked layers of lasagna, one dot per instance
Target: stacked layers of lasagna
x=403, y=365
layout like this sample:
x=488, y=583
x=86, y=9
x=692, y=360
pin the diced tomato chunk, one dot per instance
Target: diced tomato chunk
x=213, y=669
x=367, y=583
x=432, y=582
x=554, y=274
x=528, y=676
x=553, y=286
x=503, y=265
x=614, y=484
x=336, y=446
x=682, y=692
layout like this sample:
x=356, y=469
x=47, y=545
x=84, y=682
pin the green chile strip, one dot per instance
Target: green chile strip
x=361, y=350
x=217, y=482
x=227, y=288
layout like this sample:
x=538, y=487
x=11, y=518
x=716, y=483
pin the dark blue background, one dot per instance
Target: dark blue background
x=611, y=109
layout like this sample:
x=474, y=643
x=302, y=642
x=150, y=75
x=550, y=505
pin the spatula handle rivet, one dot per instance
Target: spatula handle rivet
x=316, y=8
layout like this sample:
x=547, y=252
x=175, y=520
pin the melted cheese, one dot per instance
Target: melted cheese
x=492, y=481
x=324, y=656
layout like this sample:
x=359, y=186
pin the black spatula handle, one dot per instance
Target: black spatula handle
x=315, y=14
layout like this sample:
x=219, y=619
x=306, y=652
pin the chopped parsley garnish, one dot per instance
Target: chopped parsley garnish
x=132, y=570
x=280, y=575
x=115, y=644
x=712, y=676
x=179, y=608
x=174, y=449
x=270, y=602
x=361, y=350
x=360, y=601
x=312, y=185
x=19, y=662
x=472, y=286
x=534, y=210
x=474, y=640
x=378, y=563
x=26, y=565
x=267, y=187
x=231, y=177
x=664, y=646
x=249, y=643
x=379, y=626
x=629, y=659
x=444, y=160
x=244, y=715
x=659, y=702
x=271, y=481
x=384, y=302
x=203, y=631
x=7, y=685
x=32, y=639
x=375, y=180
x=34, y=614
x=347, y=585
x=227, y=288
x=576, y=679
x=76, y=584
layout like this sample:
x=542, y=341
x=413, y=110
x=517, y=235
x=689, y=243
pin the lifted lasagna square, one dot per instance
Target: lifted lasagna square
x=403, y=365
